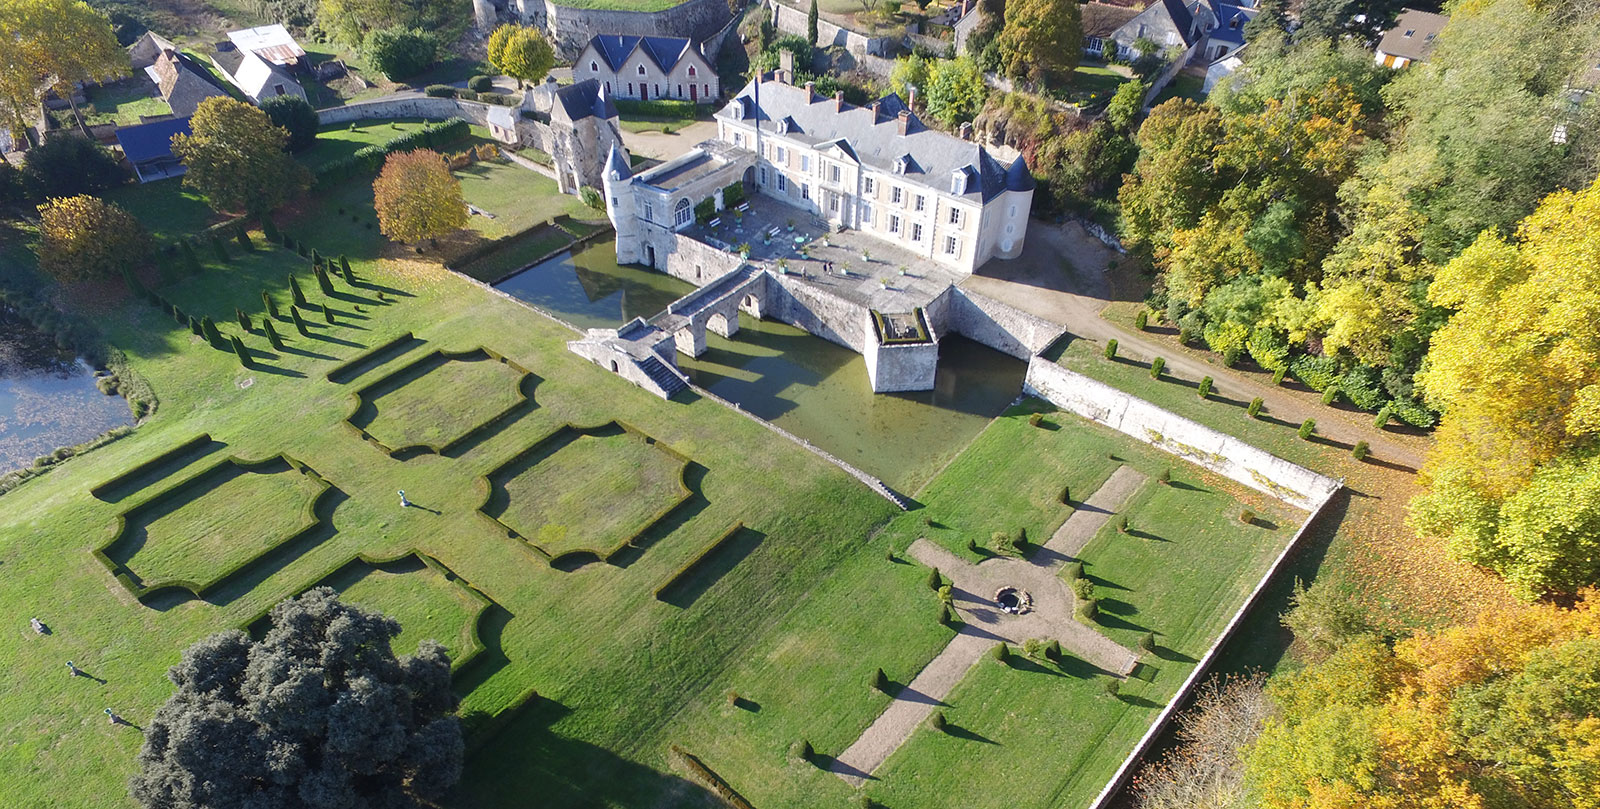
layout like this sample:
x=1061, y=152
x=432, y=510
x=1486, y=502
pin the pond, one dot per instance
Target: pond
x=48, y=398
x=805, y=384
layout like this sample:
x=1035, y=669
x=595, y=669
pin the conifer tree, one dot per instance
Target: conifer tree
x=272, y=335
x=194, y=327
x=344, y=267
x=241, y=352
x=323, y=281
x=269, y=231
x=272, y=305
x=299, y=325
x=327, y=314
x=212, y=335
x=191, y=262
x=219, y=248
x=294, y=289
x=242, y=236
x=244, y=320
x=316, y=258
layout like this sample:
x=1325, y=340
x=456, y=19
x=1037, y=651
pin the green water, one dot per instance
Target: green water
x=804, y=384
x=820, y=391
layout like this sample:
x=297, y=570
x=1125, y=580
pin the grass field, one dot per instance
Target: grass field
x=1094, y=85
x=123, y=102
x=450, y=397
x=792, y=615
x=527, y=249
x=590, y=492
x=427, y=605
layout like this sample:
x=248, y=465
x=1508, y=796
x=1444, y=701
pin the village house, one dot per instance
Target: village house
x=649, y=68
x=1411, y=39
x=1203, y=29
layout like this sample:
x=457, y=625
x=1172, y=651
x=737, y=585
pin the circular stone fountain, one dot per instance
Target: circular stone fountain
x=1013, y=601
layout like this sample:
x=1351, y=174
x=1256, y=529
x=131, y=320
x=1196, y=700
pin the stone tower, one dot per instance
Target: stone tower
x=620, y=206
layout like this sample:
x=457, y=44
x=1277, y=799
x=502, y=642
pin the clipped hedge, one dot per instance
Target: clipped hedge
x=708, y=778
x=525, y=385
x=657, y=109
x=1363, y=385
x=688, y=568
x=439, y=91
x=369, y=159
x=373, y=357
x=162, y=466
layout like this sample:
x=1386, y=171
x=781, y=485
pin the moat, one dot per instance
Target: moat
x=48, y=397
x=811, y=387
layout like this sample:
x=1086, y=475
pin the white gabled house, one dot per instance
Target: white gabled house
x=649, y=68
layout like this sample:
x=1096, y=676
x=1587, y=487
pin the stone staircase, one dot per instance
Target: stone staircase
x=669, y=380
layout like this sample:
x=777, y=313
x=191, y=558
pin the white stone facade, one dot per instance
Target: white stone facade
x=879, y=170
x=649, y=69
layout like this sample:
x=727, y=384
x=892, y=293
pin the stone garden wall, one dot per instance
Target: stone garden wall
x=789, y=20
x=437, y=109
x=1218, y=452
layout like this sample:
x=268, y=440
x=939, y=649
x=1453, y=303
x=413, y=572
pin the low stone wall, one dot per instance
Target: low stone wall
x=827, y=316
x=790, y=20
x=997, y=325
x=437, y=109
x=1218, y=452
x=689, y=260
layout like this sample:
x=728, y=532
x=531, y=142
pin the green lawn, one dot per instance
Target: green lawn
x=449, y=398
x=338, y=141
x=123, y=102
x=1094, y=85
x=1183, y=85
x=228, y=517
x=521, y=252
x=166, y=208
x=1045, y=735
x=518, y=197
x=591, y=493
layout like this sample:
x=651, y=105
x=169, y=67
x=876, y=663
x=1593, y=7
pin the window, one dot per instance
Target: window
x=608, y=85
x=833, y=203
x=833, y=173
x=922, y=202
x=649, y=212
x=869, y=185
x=805, y=190
x=1013, y=211
x=738, y=139
x=630, y=88
x=916, y=232
x=783, y=182
x=691, y=71
x=783, y=154
x=658, y=91
x=280, y=89
x=1409, y=33
x=894, y=223
x=641, y=70
x=763, y=176
x=705, y=90
x=682, y=214
x=951, y=246
x=866, y=213
x=1172, y=37
x=1010, y=228
x=896, y=195
x=955, y=216
x=805, y=162
x=594, y=68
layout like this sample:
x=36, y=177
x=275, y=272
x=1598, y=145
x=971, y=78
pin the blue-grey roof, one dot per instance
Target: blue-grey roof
x=664, y=51
x=1231, y=21
x=585, y=98
x=150, y=141
x=871, y=136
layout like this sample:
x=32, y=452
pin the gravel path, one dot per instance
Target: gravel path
x=973, y=588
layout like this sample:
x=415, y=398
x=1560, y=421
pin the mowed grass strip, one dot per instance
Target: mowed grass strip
x=443, y=403
x=591, y=493
x=243, y=516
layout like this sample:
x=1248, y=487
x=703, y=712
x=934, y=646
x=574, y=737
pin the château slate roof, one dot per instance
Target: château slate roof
x=585, y=98
x=871, y=136
x=664, y=51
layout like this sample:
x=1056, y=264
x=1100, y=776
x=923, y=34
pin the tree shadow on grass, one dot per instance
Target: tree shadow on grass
x=1028, y=665
x=1111, y=620
x=959, y=732
x=1137, y=701
x=568, y=772
x=1391, y=465
x=1166, y=653
x=288, y=372
x=328, y=338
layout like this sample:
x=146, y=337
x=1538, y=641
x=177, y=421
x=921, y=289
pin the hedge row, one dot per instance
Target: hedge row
x=688, y=569
x=658, y=109
x=162, y=466
x=487, y=248
x=142, y=590
x=371, y=358
x=708, y=778
x=485, y=96
x=369, y=160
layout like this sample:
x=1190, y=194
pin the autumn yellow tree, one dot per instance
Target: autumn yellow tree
x=1503, y=712
x=1513, y=479
x=521, y=52
x=86, y=238
x=1041, y=40
x=52, y=45
x=417, y=197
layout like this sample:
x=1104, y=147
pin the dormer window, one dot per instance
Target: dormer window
x=1234, y=23
x=958, y=182
x=899, y=165
x=1409, y=33
x=594, y=67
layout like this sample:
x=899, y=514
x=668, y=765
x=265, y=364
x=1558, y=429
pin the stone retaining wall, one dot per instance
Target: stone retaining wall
x=793, y=21
x=997, y=325
x=1219, y=452
x=436, y=109
x=570, y=29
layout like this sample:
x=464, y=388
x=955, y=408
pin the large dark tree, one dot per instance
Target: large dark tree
x=297, y=117
x=320, y=714
x=67, y=165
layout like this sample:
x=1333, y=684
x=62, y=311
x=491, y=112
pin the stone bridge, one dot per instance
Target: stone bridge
x=714, y=307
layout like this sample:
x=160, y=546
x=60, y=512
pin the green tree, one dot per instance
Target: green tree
x=811, y=25
x=352, y=21
x=85, y=238
x=909, y=71
x=67, y=165
x=1123, y=110
x=296, y=116
x=1041, y=41
x=1174, y=179
x=400, y=53
x=235, y=158
x=955, y=91
x=52, y=45
x=521, y=52
x=319, y=713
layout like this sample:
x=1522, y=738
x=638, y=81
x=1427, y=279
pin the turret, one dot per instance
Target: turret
x=617, y=185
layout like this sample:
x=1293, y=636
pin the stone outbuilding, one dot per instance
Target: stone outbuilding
x=649, y=68
x=576, y=125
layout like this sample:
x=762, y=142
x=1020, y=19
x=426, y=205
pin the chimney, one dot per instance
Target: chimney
x=811, y=91
x=838, y=101
x=905, y=122
x=911, y=96
x=966, y=130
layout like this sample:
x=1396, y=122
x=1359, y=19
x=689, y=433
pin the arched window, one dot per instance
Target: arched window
x=594, y=68
x=682, y=214
x=691, y=71
x=641, y=70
